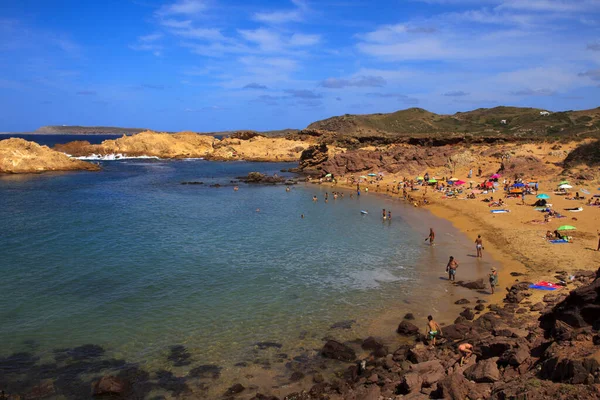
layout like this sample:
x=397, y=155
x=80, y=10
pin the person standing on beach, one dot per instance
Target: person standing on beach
x=384, y=214
x=431, y=236
x=493, y=279
x=433, y=330
x=451, y=269
x=470, y=173
x=479, y=246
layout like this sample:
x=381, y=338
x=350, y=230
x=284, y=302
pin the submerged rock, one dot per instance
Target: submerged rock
x=407, y=328
x=338, y=351
x=108, y=385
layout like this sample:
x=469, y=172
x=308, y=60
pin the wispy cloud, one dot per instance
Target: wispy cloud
x=295, y=14
x=457, y=93
x=303, y=94
x=593, y=74
x=359, y=81
x=255, y=85
x=149, y=43
x=183, y=7
x=533, y=92
x=398, y=96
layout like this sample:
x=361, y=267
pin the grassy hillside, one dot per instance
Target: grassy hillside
x=417, y=122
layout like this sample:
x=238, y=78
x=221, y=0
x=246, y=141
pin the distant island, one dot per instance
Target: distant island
x=86, y=130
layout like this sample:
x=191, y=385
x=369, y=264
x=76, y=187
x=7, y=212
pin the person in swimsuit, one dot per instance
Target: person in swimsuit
x=389, y=215
x=433, y=330
x=431, y=236
x=479, y=246
x=493, y=279
x=384, y=214
x=451, y=269
x=466, y=350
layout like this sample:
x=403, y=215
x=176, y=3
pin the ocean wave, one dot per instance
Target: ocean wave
x=114, y=157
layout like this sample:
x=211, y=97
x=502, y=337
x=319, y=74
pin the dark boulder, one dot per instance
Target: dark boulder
x=235, y=389
x=455, y=387
x=409, y=316
x=484, y=371
x=407, y=329
x=468, y=314
x=338, y=351
x=462, y=301
x=581, y=308
x=479, y=284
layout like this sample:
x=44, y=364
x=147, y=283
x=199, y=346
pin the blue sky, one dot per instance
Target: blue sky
x=211, y=65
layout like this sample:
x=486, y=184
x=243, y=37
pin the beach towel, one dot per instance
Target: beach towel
x=499, y=211
x=585, y=191
x=556, y=241
x=543, y=285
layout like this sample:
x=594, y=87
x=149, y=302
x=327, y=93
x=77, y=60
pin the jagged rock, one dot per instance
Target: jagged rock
x=456, y=331
x=407, y=329
x=109, y=385
x=515, y=356
x=411, y=382
x=296, y=376
x=462, y=301
x=420, y=353
x=454, y=386
x=401, y=353
x=479, y=307
x=338, y=351
x=479, y=284
x=484, y=371
x=468, y=314
x=537, y=307
x=430, y=371
x=371, y=343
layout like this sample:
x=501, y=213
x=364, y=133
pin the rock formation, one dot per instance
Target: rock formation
x=20, y=156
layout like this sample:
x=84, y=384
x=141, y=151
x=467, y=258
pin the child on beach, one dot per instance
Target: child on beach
x=493, y=279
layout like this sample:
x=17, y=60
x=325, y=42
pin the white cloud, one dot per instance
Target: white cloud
x=153, y=37
x=183, y=7
x=300, y=39
x=281, y=17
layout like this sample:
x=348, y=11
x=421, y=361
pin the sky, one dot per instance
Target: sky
x=216, y=65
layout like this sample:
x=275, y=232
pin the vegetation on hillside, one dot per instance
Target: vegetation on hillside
x=511, y=122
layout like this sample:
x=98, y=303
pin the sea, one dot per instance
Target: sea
x=128, y=269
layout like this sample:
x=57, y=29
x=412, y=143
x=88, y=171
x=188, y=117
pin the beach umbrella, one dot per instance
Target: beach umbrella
x=565, y=186
x=419, y=178
x=432, y=180
x=519, y=185
x=453, y=179
x=328, y=175
x=542, y=196
x=495, y=176
x=460, y=182
x=564, y=183
x=489, y=184
x=362, y=177
x=372, y=174
x=566, y=228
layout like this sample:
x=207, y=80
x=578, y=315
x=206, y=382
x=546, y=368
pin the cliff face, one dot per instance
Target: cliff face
x=192, y=145
x=21, y=156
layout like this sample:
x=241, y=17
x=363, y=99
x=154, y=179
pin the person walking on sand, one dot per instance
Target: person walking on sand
x=431, y=237
x=479, y=246
x=493, y=279
x=451, y=269
x=465, y=350
x=433, y=330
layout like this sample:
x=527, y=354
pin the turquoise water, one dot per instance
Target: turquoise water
x=130, y=260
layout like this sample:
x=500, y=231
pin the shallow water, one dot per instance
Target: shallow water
x=131, y=260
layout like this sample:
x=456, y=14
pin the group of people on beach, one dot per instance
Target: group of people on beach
x=452, y=265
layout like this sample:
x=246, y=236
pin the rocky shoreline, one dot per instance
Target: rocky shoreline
x=521, y=350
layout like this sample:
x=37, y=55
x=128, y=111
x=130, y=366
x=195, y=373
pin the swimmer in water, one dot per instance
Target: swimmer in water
x=314, y=198
x=389, y=215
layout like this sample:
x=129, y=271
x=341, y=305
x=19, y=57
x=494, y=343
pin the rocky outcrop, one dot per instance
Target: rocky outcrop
x=20, y=156
x=338, y=351
x=242, y=146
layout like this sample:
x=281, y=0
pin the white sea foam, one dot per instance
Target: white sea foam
x=114, y=157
